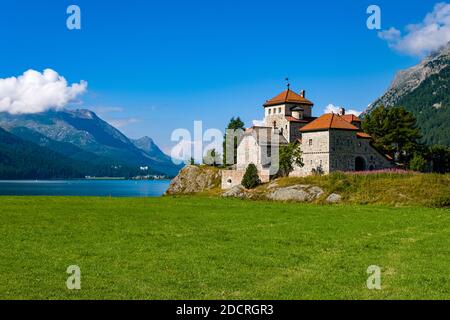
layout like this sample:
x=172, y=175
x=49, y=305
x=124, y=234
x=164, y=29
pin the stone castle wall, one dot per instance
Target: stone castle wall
x=232, y=178
x=315, y=153
x=346, y=147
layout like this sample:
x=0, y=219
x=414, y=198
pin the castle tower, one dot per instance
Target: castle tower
x=288, y=112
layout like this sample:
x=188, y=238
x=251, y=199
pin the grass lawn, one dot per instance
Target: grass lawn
x=203, y=248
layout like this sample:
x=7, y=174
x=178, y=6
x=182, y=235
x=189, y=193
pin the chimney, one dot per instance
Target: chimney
x=303, y=93
x=342, y=111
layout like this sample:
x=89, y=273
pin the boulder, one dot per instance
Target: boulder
x=235, y=192
x=334, y=198
x=299, y=193
x=315, y=192
x=192, y=179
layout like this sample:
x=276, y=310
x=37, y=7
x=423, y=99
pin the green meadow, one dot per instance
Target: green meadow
x=211, y=248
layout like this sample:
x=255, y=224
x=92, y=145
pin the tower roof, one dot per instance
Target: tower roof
x=288, y=96
x=329, y=121
x=351, y=118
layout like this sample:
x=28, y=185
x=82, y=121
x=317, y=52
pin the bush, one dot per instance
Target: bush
x=440, y=202
x=418, y=163
x=251, y=178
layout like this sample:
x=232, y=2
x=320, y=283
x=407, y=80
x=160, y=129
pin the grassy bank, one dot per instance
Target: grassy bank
x=209, y=248
x=392, y=189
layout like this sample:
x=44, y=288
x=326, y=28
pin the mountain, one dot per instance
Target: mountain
x=81, y=135
x=20, y=159
x=147, y=145
x=424, y=90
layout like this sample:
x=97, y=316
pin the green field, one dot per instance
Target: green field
x=205, y=248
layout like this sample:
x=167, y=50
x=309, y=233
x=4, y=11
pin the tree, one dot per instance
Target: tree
x=251, y=178
x=394, y=131
x=418, y=163
x=290, y=155
x=212, y=158
x=234, y=124
x=192, y=161
x=439, y=157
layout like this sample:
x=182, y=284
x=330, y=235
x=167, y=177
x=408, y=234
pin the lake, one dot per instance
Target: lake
x=101, y=188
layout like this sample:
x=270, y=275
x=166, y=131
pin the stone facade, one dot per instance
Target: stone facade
x=338, y=150
x=232, y=178
x=329, y=143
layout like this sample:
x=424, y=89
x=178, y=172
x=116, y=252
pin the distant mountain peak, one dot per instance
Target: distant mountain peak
x=424, y=90
x=83, y=113
x=82, y=130
x=408, y=80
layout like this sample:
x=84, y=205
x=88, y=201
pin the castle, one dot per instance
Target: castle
x=331, y=142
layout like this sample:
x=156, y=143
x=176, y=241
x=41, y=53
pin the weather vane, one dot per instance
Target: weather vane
x=287, y=83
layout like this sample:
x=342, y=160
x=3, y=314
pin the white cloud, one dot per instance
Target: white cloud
x=331, y=108
x=258, y=123
x=423, y=38
x=35, y=92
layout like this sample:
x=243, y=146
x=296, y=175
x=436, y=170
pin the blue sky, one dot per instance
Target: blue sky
x=154, y=66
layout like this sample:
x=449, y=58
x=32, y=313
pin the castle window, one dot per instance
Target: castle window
x=270, y=111
x=279, y=110
x=310, y=142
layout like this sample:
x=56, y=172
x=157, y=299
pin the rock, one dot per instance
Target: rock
x=300, y=193
x=334, y=198
x=316, y=192
x=235, y=192
x=192, y=179
x=272, y=185
x=289, y=194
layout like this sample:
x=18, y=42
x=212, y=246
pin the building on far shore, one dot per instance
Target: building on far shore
x=331, y=142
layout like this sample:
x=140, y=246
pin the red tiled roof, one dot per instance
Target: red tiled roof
x=363, y=135
x=292, y=119
x=351, y=118
x=288, y=96
x=329, y=121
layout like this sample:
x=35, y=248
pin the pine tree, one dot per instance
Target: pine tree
x=394, y=131
x=251, y=178
x=234, y=124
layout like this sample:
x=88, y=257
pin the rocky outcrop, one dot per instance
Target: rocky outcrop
x=299, y=193
x=334, y=198
x=235, y=192
x=193, y=179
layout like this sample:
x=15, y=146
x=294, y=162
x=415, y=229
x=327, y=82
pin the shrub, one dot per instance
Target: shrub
x=440, y=202
x=418, y=163
x=290, y=156
x=251, y=178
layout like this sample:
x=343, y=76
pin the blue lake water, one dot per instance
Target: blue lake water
x=102, y=188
